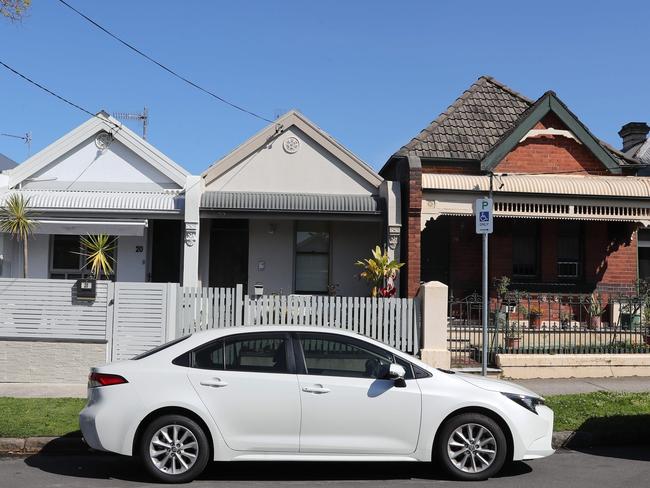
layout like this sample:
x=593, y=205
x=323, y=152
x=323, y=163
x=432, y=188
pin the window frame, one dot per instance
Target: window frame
x=81, y=272
x=301, y=363
x=562, y=259
x=288, y=351
x=296, y=253
x=528, y=277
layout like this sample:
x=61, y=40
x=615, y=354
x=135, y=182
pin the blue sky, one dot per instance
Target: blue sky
x=371, y=73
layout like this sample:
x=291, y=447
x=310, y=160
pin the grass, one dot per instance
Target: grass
x=591, y=411
x=30, y=417
x=27, y=417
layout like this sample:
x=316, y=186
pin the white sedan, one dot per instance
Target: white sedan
x=305, y=394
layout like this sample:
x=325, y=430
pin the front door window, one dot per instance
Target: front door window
x=312, y=257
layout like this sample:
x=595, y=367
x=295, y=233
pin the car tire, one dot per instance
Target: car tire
x=174, y=449
x=471, y=447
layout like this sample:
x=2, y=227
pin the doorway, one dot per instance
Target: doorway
x=229, y=253
x=166, y=251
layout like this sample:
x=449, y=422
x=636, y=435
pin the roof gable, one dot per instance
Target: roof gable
x=471, y=125
x=150, y=161
x=546, y=104
x=315, y=138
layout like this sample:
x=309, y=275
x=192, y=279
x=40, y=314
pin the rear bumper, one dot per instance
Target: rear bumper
x=89, y=428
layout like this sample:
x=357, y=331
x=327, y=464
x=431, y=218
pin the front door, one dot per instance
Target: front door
x=228, y=253
x=246, y=382
x=346, y=408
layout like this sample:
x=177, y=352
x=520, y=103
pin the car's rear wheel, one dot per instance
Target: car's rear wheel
x=471, y=447
x=174, y=449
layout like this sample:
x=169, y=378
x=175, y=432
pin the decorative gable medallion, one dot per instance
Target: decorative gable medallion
x=103, y=140
x=291, y=145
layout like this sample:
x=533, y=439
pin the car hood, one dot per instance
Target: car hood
x=491, y=384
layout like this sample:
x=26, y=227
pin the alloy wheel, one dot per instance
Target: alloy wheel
x=472, y=448
x=173, y=449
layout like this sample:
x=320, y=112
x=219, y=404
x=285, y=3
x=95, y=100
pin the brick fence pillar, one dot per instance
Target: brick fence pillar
x=435, y=348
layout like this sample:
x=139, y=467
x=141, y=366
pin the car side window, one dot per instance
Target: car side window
x=328, y=355
x=260, y=353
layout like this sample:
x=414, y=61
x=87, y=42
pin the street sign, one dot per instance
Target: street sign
x=483, y=212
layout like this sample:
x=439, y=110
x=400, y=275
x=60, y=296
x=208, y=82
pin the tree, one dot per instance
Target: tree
x=14, y=9
x=17, y=219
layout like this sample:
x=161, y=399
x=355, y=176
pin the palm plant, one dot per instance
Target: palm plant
x=97, y=251
x=380, y=271
x=17, y=219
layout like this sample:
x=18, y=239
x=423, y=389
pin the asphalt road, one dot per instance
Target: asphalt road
x=626, y=466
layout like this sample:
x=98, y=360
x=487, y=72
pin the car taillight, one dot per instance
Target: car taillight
x=103, y=379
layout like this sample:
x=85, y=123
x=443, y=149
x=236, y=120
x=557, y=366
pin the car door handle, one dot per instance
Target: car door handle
x=214, y=383
x=318, y=389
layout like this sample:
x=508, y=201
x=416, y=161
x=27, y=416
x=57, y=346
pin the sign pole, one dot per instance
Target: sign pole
x=484, y=224
x=485, y=306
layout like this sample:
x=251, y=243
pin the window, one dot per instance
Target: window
x=569, y=246
x=66, y=261
x=261, y=353
x=326, y=355
x=524, y=249
x=644, y=254
x=312, y=257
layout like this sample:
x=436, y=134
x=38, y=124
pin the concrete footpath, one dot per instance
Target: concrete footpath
x=541, y=386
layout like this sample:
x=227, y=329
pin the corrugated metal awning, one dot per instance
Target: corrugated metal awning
x=291, y=202
x=637, y=187
x=155, y=201
x=131, y=227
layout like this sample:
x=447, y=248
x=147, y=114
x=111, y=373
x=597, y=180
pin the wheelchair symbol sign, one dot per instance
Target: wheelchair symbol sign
x=483, y=212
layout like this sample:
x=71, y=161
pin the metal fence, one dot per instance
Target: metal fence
x=393, y=321
x=522, y=323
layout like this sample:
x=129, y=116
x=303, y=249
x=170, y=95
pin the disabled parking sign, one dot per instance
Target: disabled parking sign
x=483, y=212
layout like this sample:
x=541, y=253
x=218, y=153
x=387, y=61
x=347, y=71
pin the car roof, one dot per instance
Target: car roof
x=222, y=331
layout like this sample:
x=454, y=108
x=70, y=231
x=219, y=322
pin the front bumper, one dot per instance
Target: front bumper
x=541, y=446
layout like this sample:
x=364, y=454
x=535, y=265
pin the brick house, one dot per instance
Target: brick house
x=567, y=205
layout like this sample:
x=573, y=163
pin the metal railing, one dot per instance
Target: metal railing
x=527, y=323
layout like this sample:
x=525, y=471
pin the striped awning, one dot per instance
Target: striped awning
x=291, y=202
x=636, y=187
x=134, y=201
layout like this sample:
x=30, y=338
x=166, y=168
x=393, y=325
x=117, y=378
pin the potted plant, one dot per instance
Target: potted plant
x=646, y=323
x=502, y=286
x=380, y=271
x=565, y=318
x=513, y=336
x=595, y=309
x=535, y=317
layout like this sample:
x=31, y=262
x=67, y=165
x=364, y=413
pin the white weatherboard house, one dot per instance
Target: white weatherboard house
x=290, y=211
x=100, y=178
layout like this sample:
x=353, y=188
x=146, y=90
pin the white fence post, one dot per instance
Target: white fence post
x=110, y=307
x=239, y=291
x=433, y=299
x=172, y=295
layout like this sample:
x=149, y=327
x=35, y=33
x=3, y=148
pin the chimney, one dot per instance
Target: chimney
x=633, y=133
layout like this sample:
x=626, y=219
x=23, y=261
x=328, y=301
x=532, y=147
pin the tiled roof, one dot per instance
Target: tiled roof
x=475, y=122
x=472, y=124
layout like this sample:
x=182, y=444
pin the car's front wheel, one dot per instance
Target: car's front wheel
x=174, y=449
x=471, y=447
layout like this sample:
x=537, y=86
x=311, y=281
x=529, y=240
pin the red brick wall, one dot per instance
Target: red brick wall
x=610, y=258
x=551, y=154
x=411, y=272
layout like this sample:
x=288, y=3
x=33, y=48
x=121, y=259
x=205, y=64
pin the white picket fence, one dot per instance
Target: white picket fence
x=393, y=321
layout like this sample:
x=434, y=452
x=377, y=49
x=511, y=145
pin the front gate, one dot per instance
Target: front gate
x=465, y=333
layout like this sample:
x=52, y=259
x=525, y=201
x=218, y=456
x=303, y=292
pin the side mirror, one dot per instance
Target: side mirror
x=397, y=374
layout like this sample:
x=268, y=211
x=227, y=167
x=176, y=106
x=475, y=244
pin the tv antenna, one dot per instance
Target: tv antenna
x=143, y=117
x=27, y=137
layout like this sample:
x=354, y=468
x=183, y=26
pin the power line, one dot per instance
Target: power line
x=47, y=90
x=159, y=64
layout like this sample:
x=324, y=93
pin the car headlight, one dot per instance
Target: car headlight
x=528, y=402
